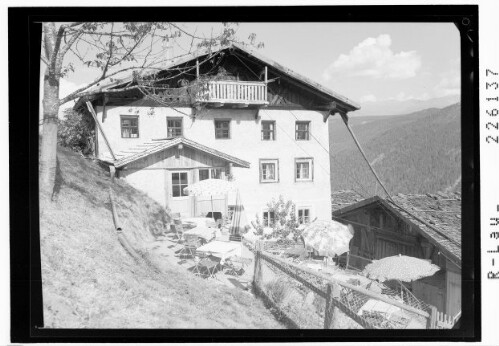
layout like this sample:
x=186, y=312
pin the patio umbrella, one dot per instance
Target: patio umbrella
x=402, y=268
x=210, y=188
x=328, y=238
x=239, y=223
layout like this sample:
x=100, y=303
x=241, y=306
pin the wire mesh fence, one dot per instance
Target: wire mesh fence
x=313, y=300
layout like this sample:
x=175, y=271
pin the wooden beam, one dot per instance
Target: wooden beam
x=331, y=109
x=344, y=117
x=92, y=111
x=105, y=98
x=197, y=69
x=241, y=105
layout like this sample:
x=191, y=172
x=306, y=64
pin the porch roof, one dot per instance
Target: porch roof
x=148, y=148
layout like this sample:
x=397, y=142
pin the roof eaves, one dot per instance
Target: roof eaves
x=344, y=101
x=162, y=145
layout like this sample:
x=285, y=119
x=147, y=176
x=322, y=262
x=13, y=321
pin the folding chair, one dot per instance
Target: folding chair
x=237, y=265
x=177, y=227
x=206, y=265
x=191, y=243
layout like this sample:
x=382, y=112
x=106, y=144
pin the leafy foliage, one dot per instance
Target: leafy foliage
x=284, y=222
x=76, y=132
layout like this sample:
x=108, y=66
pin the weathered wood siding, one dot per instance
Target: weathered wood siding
x=379, y=234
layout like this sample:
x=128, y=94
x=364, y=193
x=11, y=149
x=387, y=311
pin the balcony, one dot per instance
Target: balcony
x=236, y=93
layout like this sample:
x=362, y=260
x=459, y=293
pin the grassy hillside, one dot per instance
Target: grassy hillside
x=414, y=153
x=90, y=281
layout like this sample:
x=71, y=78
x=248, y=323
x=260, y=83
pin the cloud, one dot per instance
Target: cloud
x=450, y=81
x=368, y=98
x=374, y=58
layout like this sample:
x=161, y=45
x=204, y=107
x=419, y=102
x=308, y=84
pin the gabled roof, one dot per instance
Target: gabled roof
x=149, y=148
x=436, y=216
x=341, y=100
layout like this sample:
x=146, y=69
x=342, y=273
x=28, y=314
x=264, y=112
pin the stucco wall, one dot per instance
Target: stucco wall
x=246, y=144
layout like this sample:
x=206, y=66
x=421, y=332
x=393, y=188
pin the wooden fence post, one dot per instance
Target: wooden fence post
x=331, y=314
x=431, y=322
x=257, y=274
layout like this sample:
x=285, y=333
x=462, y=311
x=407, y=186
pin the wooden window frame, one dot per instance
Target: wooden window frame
x=303, y=208
x=203, y=169
x=276, y=162
x=181, y=126
x=181, y=189
x=310, y=160
x=309, y=125
x=210, y=172
x=269, y=224
x=229, y=128
x=273, y=131
x=132, y=117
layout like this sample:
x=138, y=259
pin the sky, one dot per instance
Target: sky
x=369, y=63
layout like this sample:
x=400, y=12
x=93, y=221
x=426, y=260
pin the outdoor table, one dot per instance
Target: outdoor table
x=221, y=249
x=199, y=221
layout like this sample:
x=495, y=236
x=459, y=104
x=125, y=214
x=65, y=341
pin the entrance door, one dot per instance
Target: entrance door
x=180, y=201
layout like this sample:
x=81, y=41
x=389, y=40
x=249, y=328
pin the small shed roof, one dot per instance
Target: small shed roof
x=436, y=216
x=154, y=146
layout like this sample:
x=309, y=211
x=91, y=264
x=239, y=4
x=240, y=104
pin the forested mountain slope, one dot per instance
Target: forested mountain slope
x=414, y=153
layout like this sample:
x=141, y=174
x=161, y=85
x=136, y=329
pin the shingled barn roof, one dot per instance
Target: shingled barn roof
x=343, y=198
x=436, y=216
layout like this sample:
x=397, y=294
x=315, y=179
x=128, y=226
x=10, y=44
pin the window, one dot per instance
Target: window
x=204, y=174
x=269, y=171
x=213, y=173
x=304, y=169
x=222, y=129
x=129, y=126
x=303, y=216
x=268, y=218
x=268, y=130
x=216, y=173
x=174, y=127
x=302, y=130
x=179, y=183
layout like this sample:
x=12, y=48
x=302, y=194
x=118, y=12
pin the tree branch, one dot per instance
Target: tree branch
x=44, y=59
x=110, y=54
x=65, y=49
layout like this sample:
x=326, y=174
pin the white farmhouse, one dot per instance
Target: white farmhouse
x=231, y=114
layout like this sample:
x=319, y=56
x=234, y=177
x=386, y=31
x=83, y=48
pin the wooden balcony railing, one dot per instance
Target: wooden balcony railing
x=233, y=92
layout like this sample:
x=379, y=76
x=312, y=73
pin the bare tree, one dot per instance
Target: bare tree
x=112, y=49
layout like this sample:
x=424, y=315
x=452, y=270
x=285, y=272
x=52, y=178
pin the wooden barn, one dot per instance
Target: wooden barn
x=423, y=226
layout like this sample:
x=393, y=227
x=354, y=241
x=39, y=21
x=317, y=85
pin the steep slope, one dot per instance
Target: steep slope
x=414, y=153
x=90, y=281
